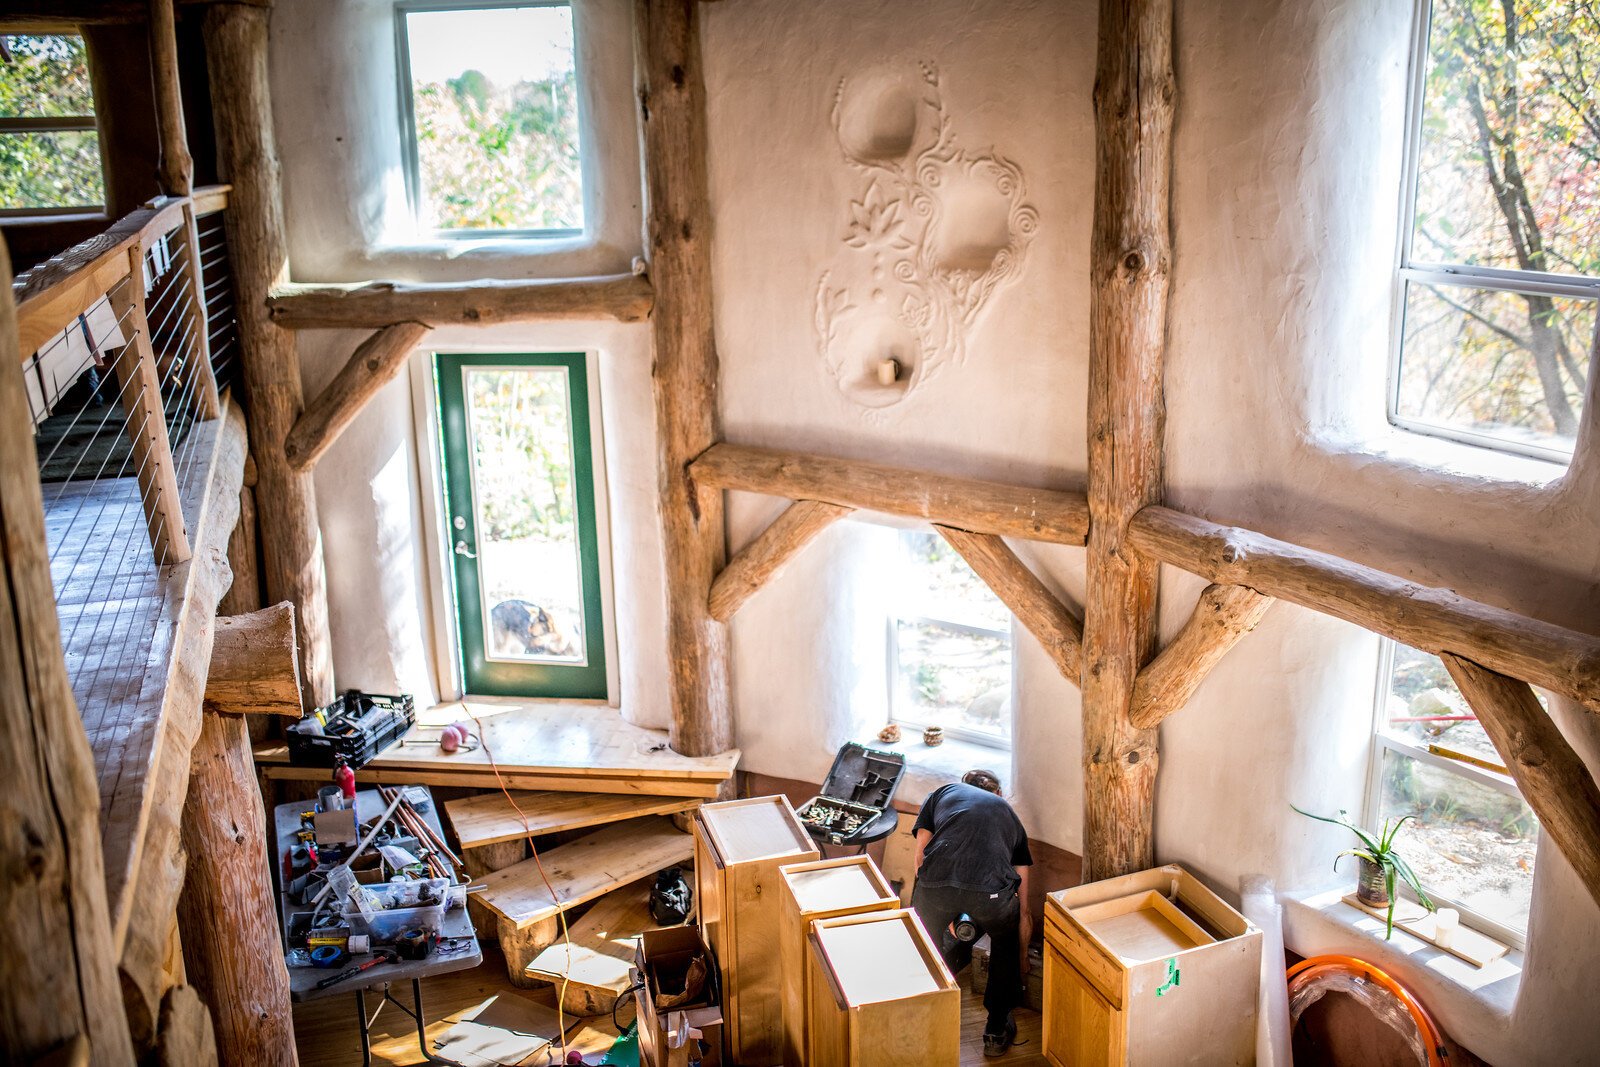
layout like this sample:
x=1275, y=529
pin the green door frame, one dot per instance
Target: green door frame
x=481, y=674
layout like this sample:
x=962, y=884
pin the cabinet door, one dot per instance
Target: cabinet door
x=1081, y=1028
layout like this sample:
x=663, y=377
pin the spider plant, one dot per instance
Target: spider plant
x=1378, y=850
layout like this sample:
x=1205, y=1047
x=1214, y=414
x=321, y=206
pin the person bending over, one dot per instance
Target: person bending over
x=972, y=859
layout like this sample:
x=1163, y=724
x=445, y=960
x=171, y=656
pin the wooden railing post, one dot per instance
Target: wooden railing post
x=140, y=388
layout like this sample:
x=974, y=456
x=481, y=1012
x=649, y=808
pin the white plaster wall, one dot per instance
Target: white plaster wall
x=1286, y=171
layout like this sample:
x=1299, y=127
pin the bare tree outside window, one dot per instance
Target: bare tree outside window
x=1502, y=263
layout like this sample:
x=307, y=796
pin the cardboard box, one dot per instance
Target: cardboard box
x=686, y=1034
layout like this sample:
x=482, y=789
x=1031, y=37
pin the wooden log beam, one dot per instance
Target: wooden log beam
x=291, y=542
x=1052, y=515
x=254, y=664
x=764, y=558
x=1052, y=623
x=186, y=1037
x=374, y=305
x=1221, y=618
x=678, y=223
x=373, y=365
x=53, y=891
x=228, y=908
x=1431, y=619
x=1130, y=257
x=177, y=165
x=1553, y=778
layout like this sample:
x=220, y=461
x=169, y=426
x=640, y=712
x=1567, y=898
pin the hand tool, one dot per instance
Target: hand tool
x=350, y=972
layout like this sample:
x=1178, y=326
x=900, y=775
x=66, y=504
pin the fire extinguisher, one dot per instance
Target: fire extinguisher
x=345, y=778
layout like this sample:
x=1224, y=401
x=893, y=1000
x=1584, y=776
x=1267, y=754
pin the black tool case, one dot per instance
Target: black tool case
x=357, y=726
x=859, y=788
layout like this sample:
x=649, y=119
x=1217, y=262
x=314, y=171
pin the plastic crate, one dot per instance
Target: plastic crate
x=357, y=726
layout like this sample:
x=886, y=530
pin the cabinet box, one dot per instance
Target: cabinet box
x=823, y=889
x=1149, y=969
x=879, y=995
x=738, y=847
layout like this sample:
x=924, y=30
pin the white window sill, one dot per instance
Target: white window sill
x=1469, y=1001
x=1453, y=459
x=929, y=767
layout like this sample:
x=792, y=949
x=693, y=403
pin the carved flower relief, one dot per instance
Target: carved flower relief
x=934, y=233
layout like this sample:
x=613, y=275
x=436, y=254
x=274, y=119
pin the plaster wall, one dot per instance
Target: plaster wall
x=1287, y=161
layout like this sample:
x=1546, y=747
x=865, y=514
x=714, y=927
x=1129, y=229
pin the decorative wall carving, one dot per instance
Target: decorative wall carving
x=935, y=231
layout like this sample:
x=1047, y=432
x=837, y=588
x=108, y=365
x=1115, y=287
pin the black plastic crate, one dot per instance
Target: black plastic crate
x=357, y=726
x=857, y=792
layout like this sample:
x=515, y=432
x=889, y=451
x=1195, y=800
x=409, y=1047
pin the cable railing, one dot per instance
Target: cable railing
x=130, y=341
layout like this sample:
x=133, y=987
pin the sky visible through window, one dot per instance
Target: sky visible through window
x=495, y=113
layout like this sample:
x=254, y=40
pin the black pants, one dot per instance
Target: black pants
x=997, y=916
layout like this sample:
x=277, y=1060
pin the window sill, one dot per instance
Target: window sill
x=929, y=767
x=1455, y=459
x=1470, y=1001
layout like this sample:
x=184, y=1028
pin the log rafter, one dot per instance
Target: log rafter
x=1221, y=618
x=373, y=364
x=1553, y=778
x=764, y=558
x=1056, y=627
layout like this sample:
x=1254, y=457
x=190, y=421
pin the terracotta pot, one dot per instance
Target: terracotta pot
x=1370, y=887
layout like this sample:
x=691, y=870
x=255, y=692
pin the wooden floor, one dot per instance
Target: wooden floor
x=326, y=1030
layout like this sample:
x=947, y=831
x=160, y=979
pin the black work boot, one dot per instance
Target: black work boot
x=997, y=1044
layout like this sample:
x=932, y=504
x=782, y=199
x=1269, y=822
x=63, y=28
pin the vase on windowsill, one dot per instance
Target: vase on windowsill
x=1371, y=887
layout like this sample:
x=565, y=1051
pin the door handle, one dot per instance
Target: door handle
x=463, y=550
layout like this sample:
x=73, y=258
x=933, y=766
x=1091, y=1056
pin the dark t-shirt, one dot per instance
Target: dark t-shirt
x=978, y=841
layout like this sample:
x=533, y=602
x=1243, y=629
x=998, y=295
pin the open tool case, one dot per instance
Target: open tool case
x=858, y=789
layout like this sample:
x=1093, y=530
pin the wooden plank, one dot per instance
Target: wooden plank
x=373, y=365
x=672, y=99
x=985, y=507
x=54, y=891
x=209, y=199
x=1057, y=629
x=290, y=537
x=469, y=778
x=1425, y=617
x=1130, y=255
x=764, y=558
x=484, y=302
x=583, y=869
x=1221, y=618
x=594, y=965
x=254, y=667
x=491, y=818
x=1553, y=778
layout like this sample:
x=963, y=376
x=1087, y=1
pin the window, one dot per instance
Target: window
x=1500, y=261
x=1473, y=840
x=49, y=148
x=949, y=645
x=524, y=532
x=490, y=93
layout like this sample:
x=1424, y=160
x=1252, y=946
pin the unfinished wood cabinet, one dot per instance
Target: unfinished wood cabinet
x=879, y=995
x=823, y=889
x=1137, y=969
x=738, y=847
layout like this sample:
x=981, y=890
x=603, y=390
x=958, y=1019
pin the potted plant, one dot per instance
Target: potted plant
x=1381, y=867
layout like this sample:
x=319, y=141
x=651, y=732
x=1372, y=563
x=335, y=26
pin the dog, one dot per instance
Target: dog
x=522, y=628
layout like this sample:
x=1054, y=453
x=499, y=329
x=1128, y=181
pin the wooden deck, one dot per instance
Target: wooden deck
x=124, y=622
x=580, y=748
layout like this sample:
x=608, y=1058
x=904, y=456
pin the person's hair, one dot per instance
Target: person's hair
x=985, y=780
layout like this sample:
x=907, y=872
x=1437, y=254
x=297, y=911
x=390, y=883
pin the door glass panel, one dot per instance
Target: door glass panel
x=525, y=512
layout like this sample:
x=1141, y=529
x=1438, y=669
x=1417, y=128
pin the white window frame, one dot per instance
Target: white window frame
x=1410, y=270
x=1383, y=741
x=17, y=124
x=408, y=120
x=892, y=652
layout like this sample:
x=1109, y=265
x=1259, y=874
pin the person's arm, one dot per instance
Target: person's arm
x=923, y=837
x=1025, y=918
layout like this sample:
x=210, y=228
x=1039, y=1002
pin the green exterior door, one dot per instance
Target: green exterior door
x=519, y=508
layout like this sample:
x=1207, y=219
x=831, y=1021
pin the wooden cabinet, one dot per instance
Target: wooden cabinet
x=1148, y=970
x=879, y=995
x=738, y=847
x=822, y=889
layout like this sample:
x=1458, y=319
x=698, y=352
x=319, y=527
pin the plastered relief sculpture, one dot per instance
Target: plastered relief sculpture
x=932, y=233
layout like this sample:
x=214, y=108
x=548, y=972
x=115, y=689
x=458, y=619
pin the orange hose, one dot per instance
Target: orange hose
x=1307, y=969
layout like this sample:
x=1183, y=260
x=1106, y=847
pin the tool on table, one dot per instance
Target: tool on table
x=350, y=972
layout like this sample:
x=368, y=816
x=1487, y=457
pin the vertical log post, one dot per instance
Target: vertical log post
x=1130, y=256
x=672, y=97
x=177, y=165
x=291, y=543
x=53, y=891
